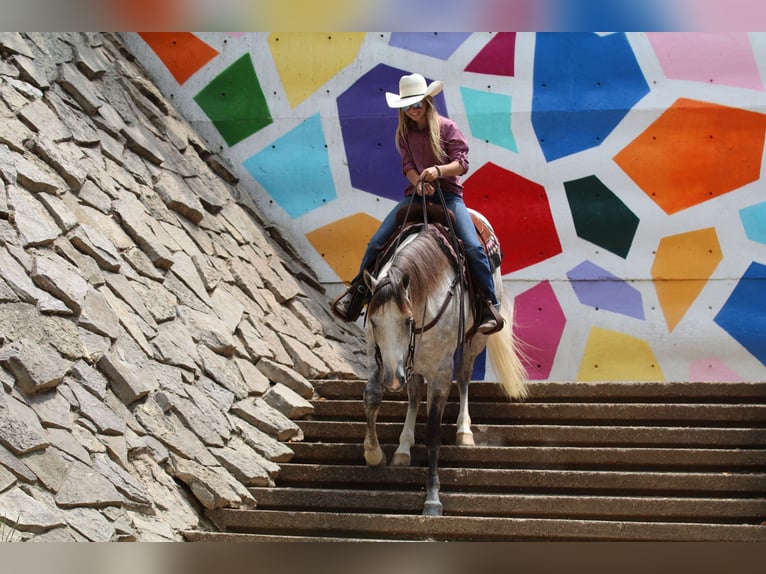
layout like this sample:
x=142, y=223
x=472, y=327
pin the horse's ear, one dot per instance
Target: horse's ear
x=369, y=280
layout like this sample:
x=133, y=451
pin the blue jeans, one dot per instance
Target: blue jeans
x=476, y=256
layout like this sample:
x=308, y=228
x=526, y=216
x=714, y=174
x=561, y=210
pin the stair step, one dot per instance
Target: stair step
x=608, y=461
x=546, y=457
x=531, y=481
x=623, y=391
x=576, y=413
x=206, y=536
x=550, y=435
x=646, y=508
x=466, y=528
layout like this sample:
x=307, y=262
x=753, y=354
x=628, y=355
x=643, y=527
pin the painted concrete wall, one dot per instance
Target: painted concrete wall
x=622, y=172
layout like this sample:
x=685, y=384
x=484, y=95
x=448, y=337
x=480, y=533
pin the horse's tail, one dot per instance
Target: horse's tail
x=505, y=355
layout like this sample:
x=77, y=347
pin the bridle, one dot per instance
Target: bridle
x=409, y=361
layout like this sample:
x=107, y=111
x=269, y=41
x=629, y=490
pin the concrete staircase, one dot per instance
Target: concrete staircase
x=575, y=461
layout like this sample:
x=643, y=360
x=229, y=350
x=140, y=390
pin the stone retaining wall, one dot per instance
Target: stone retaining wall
x=157, y=337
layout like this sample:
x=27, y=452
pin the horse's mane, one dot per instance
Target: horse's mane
x=424, y=260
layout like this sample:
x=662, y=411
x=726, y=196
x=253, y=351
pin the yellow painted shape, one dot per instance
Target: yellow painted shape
x=681, y=269
x=613, y=356
x=309, y=15
x=342, y=243
x=307, y=60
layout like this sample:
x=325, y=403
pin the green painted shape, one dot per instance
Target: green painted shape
x=489, y=117
x=600, y=216
x=235, y=103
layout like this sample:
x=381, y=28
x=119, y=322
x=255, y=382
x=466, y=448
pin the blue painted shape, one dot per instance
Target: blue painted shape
x=479, y=366
x=297, y=191
x=743, y=316
x=368, y=126
x=598, y=288
x=584, y=85
x=583, y=15
x=754, y=221
x=489, y=117
x=437, y=44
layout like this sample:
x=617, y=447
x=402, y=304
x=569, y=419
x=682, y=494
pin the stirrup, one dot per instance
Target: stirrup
x=490, y=321
x=349, y=306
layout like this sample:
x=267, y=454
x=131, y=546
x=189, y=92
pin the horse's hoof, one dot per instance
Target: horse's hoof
x=400, y=459
x=433, y=509
x=375, y=458
x=465, y=439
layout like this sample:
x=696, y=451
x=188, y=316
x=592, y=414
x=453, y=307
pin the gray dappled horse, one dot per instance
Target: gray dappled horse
x=418, y=287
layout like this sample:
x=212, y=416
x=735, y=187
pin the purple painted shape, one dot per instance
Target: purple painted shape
x=539, y=323
x=596, y=287
x=437, y=44
x=368, y=126
x=712, y=371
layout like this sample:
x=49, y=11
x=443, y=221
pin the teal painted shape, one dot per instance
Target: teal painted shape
x=489, y=117
x=754, y=220
x=297, y=191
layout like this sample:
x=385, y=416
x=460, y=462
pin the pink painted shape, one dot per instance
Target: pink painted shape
x=497, y=57
x=711, y=370
x=718, y=15
x=236, y=34
x=724, y=58
x=539, y=323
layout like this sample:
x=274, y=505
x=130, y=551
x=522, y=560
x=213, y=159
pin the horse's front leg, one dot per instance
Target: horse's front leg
x=437, y=400
x=407, y=437
x=464, y=433
x=373, y=395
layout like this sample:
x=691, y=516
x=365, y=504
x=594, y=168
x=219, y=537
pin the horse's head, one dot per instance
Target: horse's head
x=390, y=327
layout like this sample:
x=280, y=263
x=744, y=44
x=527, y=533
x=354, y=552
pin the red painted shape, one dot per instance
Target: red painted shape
x=182, y=52
x=497, y=57
x=519, y=211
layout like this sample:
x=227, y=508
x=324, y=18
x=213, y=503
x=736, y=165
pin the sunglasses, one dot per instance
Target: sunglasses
x=416, y=105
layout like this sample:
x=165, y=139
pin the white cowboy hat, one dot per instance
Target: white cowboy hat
x=412, y=89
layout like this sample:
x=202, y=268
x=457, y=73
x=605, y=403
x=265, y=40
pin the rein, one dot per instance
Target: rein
x=456, y=283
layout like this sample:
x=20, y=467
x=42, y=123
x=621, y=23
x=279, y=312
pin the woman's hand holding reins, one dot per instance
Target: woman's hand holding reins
x=425, y=184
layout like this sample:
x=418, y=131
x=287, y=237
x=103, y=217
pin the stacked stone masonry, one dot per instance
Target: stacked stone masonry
x=157, y=337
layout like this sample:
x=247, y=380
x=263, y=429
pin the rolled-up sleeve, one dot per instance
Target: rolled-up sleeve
x=455, y=144
x=408, y=162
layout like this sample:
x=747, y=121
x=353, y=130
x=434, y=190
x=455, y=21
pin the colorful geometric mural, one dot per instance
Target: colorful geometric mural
x=621, y=171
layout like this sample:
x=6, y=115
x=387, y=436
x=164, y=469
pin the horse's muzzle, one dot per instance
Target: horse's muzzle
x=395, y=381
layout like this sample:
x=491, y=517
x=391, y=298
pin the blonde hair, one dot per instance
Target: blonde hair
x=434, y=129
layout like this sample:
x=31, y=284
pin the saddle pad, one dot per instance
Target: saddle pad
x=488, y=239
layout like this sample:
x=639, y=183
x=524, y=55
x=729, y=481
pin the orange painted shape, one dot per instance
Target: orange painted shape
x=695, y=151
x=182, y=52
x=613, y=356
x=342, y=243
x=145, y=14
x=682, y=267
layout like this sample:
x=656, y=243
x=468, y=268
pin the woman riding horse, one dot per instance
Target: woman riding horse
x=432, y=147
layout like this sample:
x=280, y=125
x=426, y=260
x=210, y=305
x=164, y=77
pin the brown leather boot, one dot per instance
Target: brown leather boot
x=489, y=321
x=349, y=306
